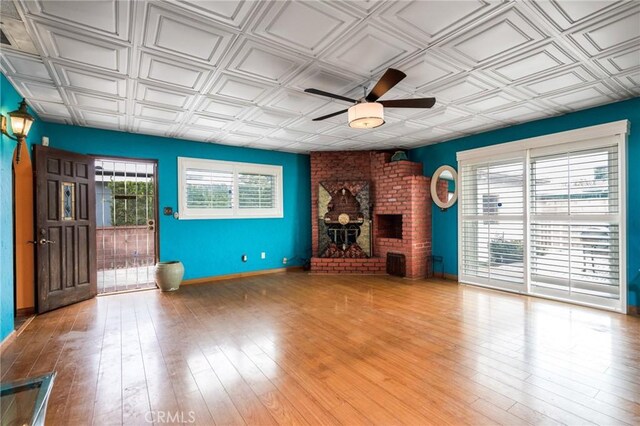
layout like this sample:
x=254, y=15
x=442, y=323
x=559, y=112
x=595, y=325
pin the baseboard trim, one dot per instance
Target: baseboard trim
x=633, y=310
x=7, y=340
x=207, y=280
x=15, y=333
x=446, y=277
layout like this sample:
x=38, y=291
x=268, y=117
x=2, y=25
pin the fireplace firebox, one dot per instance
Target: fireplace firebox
x=389, y=226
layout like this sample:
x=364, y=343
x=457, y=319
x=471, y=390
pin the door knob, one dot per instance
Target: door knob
x=44, y=241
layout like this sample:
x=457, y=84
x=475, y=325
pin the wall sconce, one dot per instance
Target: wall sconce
x=21, y=122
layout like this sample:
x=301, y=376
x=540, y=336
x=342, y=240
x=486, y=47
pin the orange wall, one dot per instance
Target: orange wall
x=25, y=269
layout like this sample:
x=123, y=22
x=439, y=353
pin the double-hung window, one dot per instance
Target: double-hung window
x=545, y=216
x=211, y=189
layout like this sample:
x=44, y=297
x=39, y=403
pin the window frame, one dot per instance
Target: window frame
x=614, y=133
x=236, y=168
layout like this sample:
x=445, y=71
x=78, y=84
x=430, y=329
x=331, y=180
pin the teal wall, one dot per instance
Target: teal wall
x=9, y=100
x=210, y=247
x=445, y=224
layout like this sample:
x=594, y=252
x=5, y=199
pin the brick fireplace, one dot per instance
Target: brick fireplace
x=394, y=216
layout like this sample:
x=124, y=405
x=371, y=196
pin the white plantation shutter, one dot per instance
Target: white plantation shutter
x=256, y=191
x=546, y=216
x=575, y=222
x=210, y=189
x=492, y=230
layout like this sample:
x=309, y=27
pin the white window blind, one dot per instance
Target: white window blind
x=575, y=222
x=221, y=189
x=546, y=216
x=492, y=229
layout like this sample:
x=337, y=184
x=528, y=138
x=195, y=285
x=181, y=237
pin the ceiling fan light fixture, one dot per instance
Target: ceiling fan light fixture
x=366, y=115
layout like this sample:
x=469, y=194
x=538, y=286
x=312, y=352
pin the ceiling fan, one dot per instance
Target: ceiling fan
x=367, y=112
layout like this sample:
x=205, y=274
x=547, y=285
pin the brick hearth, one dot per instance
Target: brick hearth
x=398, y=188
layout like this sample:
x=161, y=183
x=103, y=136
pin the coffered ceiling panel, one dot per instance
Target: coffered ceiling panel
x=234, y=72
x=324, y=78
x=491, y=101
x=81, y=49
x=110, y=18
x=158, y=113
x=269, y=117
x=35, y=90
x=524, y=111
x=164, y=96
x=426, y=69
x=429, y=21
x=234, y=13
x=308, y=27
x=240, y=89
x=51, y=109
x=92, y=101
x=166, y=70
x=631, y=81
x=195, y=134
x=462, y=88
x=23, y=66
x=545, y=59
x=239, y=139
x=256, y=60
x=210, y=122
x=561, y=81
x=174, y=33
x=90, y=81
x=151, y=127
x=368, y=50
x=610, y=33
x=100, y=119
x=567, y=13
x=294, y=102
x=223, y=108
x=621, y=61
x=584, y=97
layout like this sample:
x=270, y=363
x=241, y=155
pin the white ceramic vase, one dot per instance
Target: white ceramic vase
x=169, y=275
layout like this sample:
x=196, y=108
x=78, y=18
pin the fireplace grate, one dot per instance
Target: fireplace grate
x=396, y=264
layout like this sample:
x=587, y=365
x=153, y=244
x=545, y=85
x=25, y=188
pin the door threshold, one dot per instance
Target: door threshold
x=24, y=324
x=133, y=290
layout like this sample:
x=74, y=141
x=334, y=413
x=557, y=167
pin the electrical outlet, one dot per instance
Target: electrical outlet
x=263, y=255
x=244, y=257
x=284, y=260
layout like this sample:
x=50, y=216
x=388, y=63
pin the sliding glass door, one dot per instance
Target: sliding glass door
x=575, y=224
x=546, y=219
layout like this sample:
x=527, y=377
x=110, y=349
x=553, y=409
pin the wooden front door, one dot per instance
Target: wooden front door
x=65, y=228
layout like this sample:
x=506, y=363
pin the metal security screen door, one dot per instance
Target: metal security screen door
x=126, y=224
x=547, y=218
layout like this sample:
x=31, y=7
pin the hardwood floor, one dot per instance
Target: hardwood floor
x=302, y=349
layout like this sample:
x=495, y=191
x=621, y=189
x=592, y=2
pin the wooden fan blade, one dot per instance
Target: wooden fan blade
x=333, y=114
x=410, y=103
x=330, y=95
x=390, y=78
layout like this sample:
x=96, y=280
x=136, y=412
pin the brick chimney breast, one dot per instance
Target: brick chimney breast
x=401, y=218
